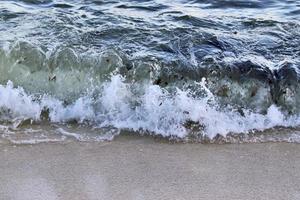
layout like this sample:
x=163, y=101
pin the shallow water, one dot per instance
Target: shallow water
x=206, y=71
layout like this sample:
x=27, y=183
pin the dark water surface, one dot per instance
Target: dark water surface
x=196, y=70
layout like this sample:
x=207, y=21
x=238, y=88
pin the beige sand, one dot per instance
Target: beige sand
x=140, y=168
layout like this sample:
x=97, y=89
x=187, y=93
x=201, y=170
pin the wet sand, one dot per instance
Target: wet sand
x=132, y=167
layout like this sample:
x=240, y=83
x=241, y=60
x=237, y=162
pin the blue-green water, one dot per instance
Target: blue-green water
x=195, y=70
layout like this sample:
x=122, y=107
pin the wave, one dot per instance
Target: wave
x=111, y=91
x=142, y=108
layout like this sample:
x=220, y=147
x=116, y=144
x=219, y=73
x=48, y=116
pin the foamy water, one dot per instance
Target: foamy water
x=207, y=71
x=154, y=111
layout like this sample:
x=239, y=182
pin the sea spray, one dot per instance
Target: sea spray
x=154, y=111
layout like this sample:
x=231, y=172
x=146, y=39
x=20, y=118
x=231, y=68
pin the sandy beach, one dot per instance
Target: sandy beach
x=132, y=167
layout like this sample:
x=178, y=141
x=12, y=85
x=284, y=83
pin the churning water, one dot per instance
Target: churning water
x=207, y=71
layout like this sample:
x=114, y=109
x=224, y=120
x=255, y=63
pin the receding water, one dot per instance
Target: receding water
x=206, y=71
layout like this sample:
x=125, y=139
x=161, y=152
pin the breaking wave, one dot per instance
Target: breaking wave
x=204, y=71
x=145, y=108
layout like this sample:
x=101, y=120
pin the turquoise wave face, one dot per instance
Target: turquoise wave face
x=251, y=82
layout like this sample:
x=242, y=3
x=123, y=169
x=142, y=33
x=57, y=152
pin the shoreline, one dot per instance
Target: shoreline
x=133, y=167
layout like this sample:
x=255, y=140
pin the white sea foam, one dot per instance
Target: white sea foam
x=142, y=107
x=18, y=103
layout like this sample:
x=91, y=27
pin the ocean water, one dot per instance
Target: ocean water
x=201, y=71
